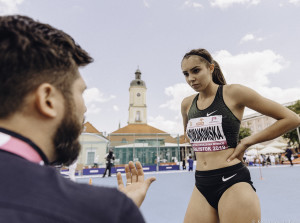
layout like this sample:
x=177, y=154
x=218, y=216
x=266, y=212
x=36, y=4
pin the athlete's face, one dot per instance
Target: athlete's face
x=66, y=139
x=197, y=72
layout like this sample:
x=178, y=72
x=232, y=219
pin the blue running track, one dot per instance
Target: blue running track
x=168, y=196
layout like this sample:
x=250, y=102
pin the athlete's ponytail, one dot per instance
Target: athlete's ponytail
x=217, y=75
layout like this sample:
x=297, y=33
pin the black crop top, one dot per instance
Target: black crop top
x=214, y=128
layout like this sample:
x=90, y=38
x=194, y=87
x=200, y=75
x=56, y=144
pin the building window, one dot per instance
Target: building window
x=138, y=116
x=90, y=158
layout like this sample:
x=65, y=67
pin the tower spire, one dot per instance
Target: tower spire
x=138, y=74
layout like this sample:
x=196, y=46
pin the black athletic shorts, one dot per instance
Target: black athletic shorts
x=213, y=183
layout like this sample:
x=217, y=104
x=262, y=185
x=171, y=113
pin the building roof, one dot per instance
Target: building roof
x=89, y=128
x=181, y=139
x=139, y=128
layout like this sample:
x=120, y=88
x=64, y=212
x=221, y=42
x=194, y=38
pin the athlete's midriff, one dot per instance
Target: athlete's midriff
x=214, y=160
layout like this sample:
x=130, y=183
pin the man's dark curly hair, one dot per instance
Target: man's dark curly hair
x=32, y=53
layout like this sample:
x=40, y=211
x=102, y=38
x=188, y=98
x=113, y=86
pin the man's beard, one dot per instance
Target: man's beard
x=66, y=138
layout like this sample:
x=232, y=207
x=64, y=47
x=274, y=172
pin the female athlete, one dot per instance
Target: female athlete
x=223, y=190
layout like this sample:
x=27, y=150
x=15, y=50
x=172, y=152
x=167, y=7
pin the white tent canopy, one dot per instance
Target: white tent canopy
x=270, y=149
x=277, y=144
x=257, y=146
x=252, y=152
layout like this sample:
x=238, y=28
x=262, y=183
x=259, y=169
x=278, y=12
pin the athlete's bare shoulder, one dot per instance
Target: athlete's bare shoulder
x=232, y=89
x=237, y=92
x=187, y=101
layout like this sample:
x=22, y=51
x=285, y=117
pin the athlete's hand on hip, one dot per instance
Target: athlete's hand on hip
x=238, y=152
x=136, y=185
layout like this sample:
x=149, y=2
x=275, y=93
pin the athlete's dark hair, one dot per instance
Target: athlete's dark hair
x=32, y=53
x=205, y=56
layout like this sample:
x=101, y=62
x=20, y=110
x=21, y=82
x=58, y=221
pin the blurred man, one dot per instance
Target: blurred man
x=109, y=158
x=41, y=117
x=288, y=154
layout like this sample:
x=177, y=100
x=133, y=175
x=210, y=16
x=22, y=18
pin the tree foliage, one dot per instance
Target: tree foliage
x=292, y=136
x=244, y=132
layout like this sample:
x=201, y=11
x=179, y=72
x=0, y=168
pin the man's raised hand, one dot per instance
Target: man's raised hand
x=136, y=186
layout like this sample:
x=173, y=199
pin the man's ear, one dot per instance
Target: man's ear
x=48, y=100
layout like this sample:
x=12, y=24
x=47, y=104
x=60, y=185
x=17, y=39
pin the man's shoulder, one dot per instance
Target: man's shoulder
x=102, y=202
x=44, y=190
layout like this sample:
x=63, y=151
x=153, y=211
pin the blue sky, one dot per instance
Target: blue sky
x=256, y=42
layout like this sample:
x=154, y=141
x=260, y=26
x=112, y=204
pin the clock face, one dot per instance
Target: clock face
x=138, y=94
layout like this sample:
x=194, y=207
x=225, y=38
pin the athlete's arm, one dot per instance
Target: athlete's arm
x=286, y=119
x=185, y=104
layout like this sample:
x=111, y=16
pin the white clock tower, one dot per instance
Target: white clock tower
x=137, y=100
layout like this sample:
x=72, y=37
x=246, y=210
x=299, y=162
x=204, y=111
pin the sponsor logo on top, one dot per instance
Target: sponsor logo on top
x=213, y=119
x=201, y=122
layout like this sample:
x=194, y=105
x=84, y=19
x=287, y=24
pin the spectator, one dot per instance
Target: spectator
x=272, y=159
x=191, y=163
x=288, y=154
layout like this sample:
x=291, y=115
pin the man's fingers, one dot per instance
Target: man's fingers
x=140, y=171
x=120, y=181
x=133, y=172
x=149, y=181
x=128, y=174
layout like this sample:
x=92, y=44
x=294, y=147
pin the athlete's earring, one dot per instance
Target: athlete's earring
x=212, y=68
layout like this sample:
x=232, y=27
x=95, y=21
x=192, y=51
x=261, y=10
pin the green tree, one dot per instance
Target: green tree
x=292, y=136
x=244, y=132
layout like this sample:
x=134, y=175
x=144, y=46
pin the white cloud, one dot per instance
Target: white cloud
x=9, y=6
x=146, y=4
x=250, y=37
x=247, y=37
x=223, y=4
x=173, y=126
x=95, y=95
x=280, y=95
x=116, y=108
x=193, y=4
x=92, y=109
x=92, y=98
x=295, y=2
x=250, y=69
x=177, y=93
